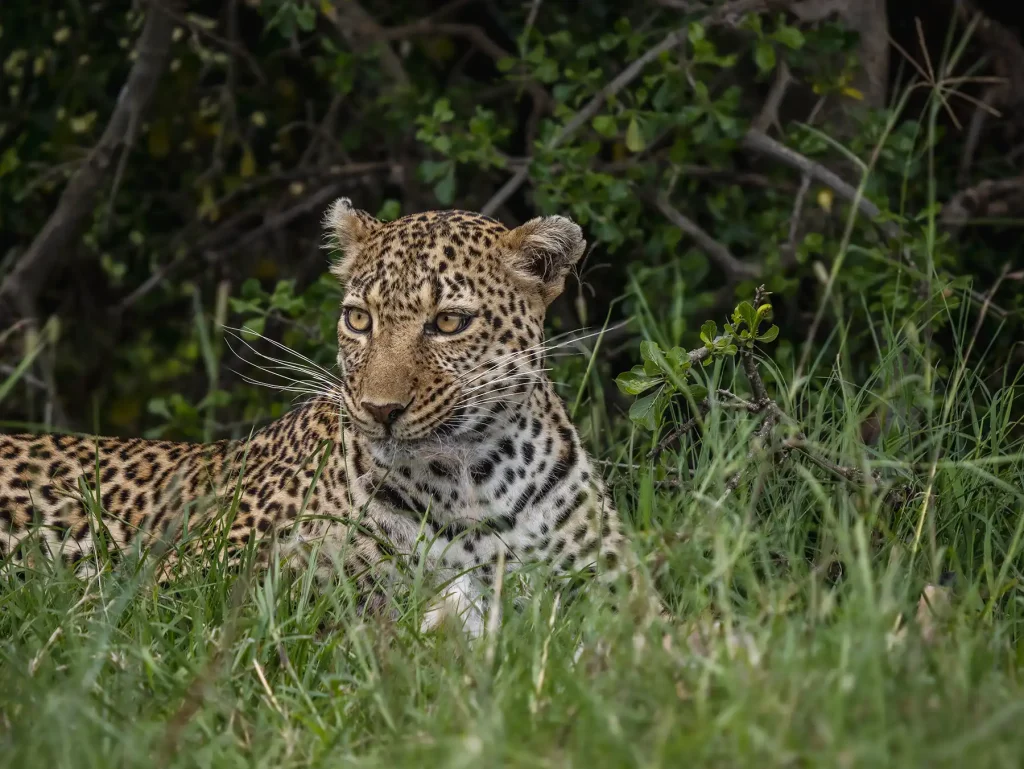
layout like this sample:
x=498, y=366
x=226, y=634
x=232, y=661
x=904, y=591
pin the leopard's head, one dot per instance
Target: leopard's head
x=442, y=321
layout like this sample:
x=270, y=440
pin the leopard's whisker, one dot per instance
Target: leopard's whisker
x=533, y=373
x=286, y=348
x=312, y=375
x=543, y=349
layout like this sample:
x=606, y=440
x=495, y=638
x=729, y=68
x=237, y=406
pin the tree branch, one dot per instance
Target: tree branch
x=56, y=240
x=730, y=265
x=358, y=27
x=592, y=107
x=760, y=142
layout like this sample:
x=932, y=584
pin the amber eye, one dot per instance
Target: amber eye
x=357, y=320
x=450, y=323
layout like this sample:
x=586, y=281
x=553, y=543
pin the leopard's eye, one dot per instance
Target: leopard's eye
x=450, y=323
x=358, y=320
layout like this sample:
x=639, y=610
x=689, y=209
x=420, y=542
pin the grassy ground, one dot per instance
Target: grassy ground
x=227, y=672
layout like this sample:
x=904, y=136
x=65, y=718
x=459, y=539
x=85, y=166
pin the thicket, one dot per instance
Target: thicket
x=164, y=168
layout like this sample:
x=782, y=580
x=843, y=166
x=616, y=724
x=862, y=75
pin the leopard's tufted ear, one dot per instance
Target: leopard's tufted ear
x=347, y=230
x=544, y=250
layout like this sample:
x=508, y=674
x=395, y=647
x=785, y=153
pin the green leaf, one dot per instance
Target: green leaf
x=158, y=406
x=763, y=312
x=9, y=161
x=649, y=350
x=432, y=170
x=642, y=412
x=634, y=137
x=791, y=37
x=606, y=125
x=708, y=331
x=745, y=312
x=253, y=327
x=443, y=110
x=764, y=56
x=390, y=210
x=445, y=189
x=251, y=289
x=679, y=358
x=698, y=392
x=770, y=334
x=305, y=16
x=632, y=383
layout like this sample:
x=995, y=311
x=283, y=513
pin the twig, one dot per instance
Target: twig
x=316, y=200
x=730, y=265
x=982, y=198
x=758, y=442
x=769, y=114
x=1007, y=48
x=228, y=230
x=200, y=31
x=772, y=415
x=974, y=132
x=678, y=432
x=531, y=18
x=56, y=240
x=6, y=369
x=794, y=217
x=760, y=142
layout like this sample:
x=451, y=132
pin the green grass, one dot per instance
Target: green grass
x=227, y=670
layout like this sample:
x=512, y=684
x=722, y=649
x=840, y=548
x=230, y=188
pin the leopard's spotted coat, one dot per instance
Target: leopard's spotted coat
x=454, y=447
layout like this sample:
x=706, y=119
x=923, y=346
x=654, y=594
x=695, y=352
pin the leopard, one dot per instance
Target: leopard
x=441, y=443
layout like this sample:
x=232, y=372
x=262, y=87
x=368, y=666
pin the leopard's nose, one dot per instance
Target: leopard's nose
x=384, y=413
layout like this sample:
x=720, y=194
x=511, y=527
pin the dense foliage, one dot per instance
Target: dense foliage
x=265, y=111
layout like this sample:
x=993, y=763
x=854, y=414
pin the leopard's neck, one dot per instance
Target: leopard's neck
x=500, y=473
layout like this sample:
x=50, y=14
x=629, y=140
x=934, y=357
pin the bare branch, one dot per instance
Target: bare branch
x=729, y=14
x=794, y=218
x=990, y=198
x=730, y=265
x=760, y=142
x=769, y=115
x=676, y=433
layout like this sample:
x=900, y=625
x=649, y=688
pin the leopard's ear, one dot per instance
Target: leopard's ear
x=543, y=250
x=347, y=230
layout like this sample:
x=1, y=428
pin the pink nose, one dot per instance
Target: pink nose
x=385, y=413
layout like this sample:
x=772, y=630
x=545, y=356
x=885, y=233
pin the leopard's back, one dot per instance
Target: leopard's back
x=67, y=493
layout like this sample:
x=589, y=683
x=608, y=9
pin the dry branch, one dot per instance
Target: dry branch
x=990, y=198
x=763, y=144
x=730, y=265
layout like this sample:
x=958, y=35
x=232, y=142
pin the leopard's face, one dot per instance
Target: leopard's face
x=441, y=324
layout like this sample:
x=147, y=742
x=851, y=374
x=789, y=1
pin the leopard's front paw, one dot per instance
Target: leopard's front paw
x=459, y=602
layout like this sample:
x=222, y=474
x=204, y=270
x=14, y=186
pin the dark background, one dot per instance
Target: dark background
x=129, y=231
